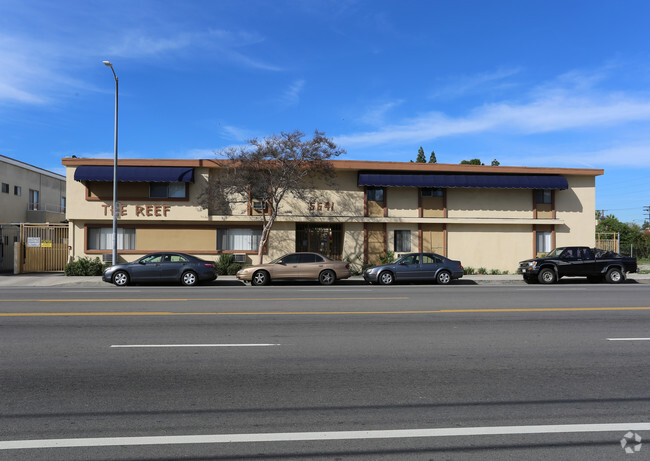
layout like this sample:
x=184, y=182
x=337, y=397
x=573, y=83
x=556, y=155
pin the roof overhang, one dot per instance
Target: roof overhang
x=134, y=173
x=494, y=181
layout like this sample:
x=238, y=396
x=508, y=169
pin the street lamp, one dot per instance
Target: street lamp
x=115, y=211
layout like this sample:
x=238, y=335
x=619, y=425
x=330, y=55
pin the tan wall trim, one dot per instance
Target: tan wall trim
x=350, y=165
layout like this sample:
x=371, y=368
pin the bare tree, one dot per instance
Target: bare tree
x=267, y=170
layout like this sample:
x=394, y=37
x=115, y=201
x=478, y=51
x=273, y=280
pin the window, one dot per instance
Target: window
x=431, y=259
x=544, y=196
x=310, y=258
x=432, y=192
x=175, y=259
x=17, y=190
x=5, y=188
x=375, y=194
x=402, y=241
x=232, y=239
x=33, y=199
x=291, y=259
x=167, y=190
x=543, y=241
x=62, y=204
x=101, y=238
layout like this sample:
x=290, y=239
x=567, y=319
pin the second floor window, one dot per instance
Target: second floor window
x=5, y=188
x=375, y=194
x=167, y=190
x=432, y=192
x=544, y=196
x=17, y=190
x=33, y=199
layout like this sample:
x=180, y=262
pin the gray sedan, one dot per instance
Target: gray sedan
x=416, y=267
x=162, y=267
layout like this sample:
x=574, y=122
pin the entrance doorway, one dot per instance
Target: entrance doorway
x=326, y=239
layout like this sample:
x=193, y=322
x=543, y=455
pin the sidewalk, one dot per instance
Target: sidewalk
x=58, y=279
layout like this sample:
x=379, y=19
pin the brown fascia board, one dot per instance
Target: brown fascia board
x=355, y=165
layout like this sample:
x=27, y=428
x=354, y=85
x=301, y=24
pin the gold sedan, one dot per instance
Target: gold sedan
x=296, y=266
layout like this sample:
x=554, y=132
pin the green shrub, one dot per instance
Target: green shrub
x=469, y=270
x=387, y=257
x=482, y=270
x=85, y=267
x=226, y=264
x=494, y=272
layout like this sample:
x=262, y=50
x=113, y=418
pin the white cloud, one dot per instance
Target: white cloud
x=554, y=110
x=376, y=114
x=291, y=96
x=484, y=81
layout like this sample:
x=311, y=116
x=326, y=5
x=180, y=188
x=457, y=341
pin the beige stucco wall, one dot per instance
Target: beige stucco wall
x=402, y=201
x=576, y=206
x=490, y=246
x=488, y=203
x=391, y=228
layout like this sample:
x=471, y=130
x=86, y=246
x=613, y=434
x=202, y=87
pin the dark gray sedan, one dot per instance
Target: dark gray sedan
x=162, y=267
x=416, y=267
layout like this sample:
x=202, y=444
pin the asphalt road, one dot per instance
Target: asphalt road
x=300, y=371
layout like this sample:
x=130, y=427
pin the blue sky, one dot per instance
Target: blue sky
x=529, y=83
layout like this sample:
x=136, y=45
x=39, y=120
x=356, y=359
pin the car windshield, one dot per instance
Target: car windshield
x=556, y=252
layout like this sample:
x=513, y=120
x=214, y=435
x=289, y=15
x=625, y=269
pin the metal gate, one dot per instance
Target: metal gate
x=43, y=247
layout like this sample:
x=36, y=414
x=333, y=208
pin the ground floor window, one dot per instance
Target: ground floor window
x=543, y=242
x=234, y=239
x=402, y=241
x=326, y=239
x=101, y=238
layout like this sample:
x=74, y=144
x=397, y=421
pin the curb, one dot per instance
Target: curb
x=60, y=280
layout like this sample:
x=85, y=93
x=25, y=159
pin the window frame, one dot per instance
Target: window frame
x=171, y=189
x=399, y=241
x=5, y=188
x=371, y=193
x=544, y=196
x=255, y=236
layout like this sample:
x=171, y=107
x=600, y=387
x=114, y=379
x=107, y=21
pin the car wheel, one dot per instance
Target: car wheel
x=443, y=278
x=327, y=277
x=260, y=278
x=614, y=275
x=386, y=278
x=121, y=278
x=547, y=276
x=189, y=278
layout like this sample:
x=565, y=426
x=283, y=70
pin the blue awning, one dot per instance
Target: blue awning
x=135, y=173
x=494, y=181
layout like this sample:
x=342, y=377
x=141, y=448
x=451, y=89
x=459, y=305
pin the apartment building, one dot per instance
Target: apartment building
x=486, y=216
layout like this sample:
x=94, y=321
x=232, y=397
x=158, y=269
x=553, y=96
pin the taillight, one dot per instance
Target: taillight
x=210, y=265
x=347, y=266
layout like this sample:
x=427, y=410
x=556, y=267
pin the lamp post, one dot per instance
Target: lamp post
x=115, y=210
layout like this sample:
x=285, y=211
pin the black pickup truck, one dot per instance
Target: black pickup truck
x=595, y=264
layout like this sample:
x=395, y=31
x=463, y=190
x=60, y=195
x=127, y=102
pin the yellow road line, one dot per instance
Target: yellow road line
x=394, y=298
x=440, y=311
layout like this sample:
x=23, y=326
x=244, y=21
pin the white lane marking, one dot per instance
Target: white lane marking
x=310, y=436
x=193, y=345
x=628, y=339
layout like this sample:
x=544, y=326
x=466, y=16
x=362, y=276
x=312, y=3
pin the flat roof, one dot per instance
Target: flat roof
x=356, y=165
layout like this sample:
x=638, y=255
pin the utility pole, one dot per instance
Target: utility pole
x=647, y=210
